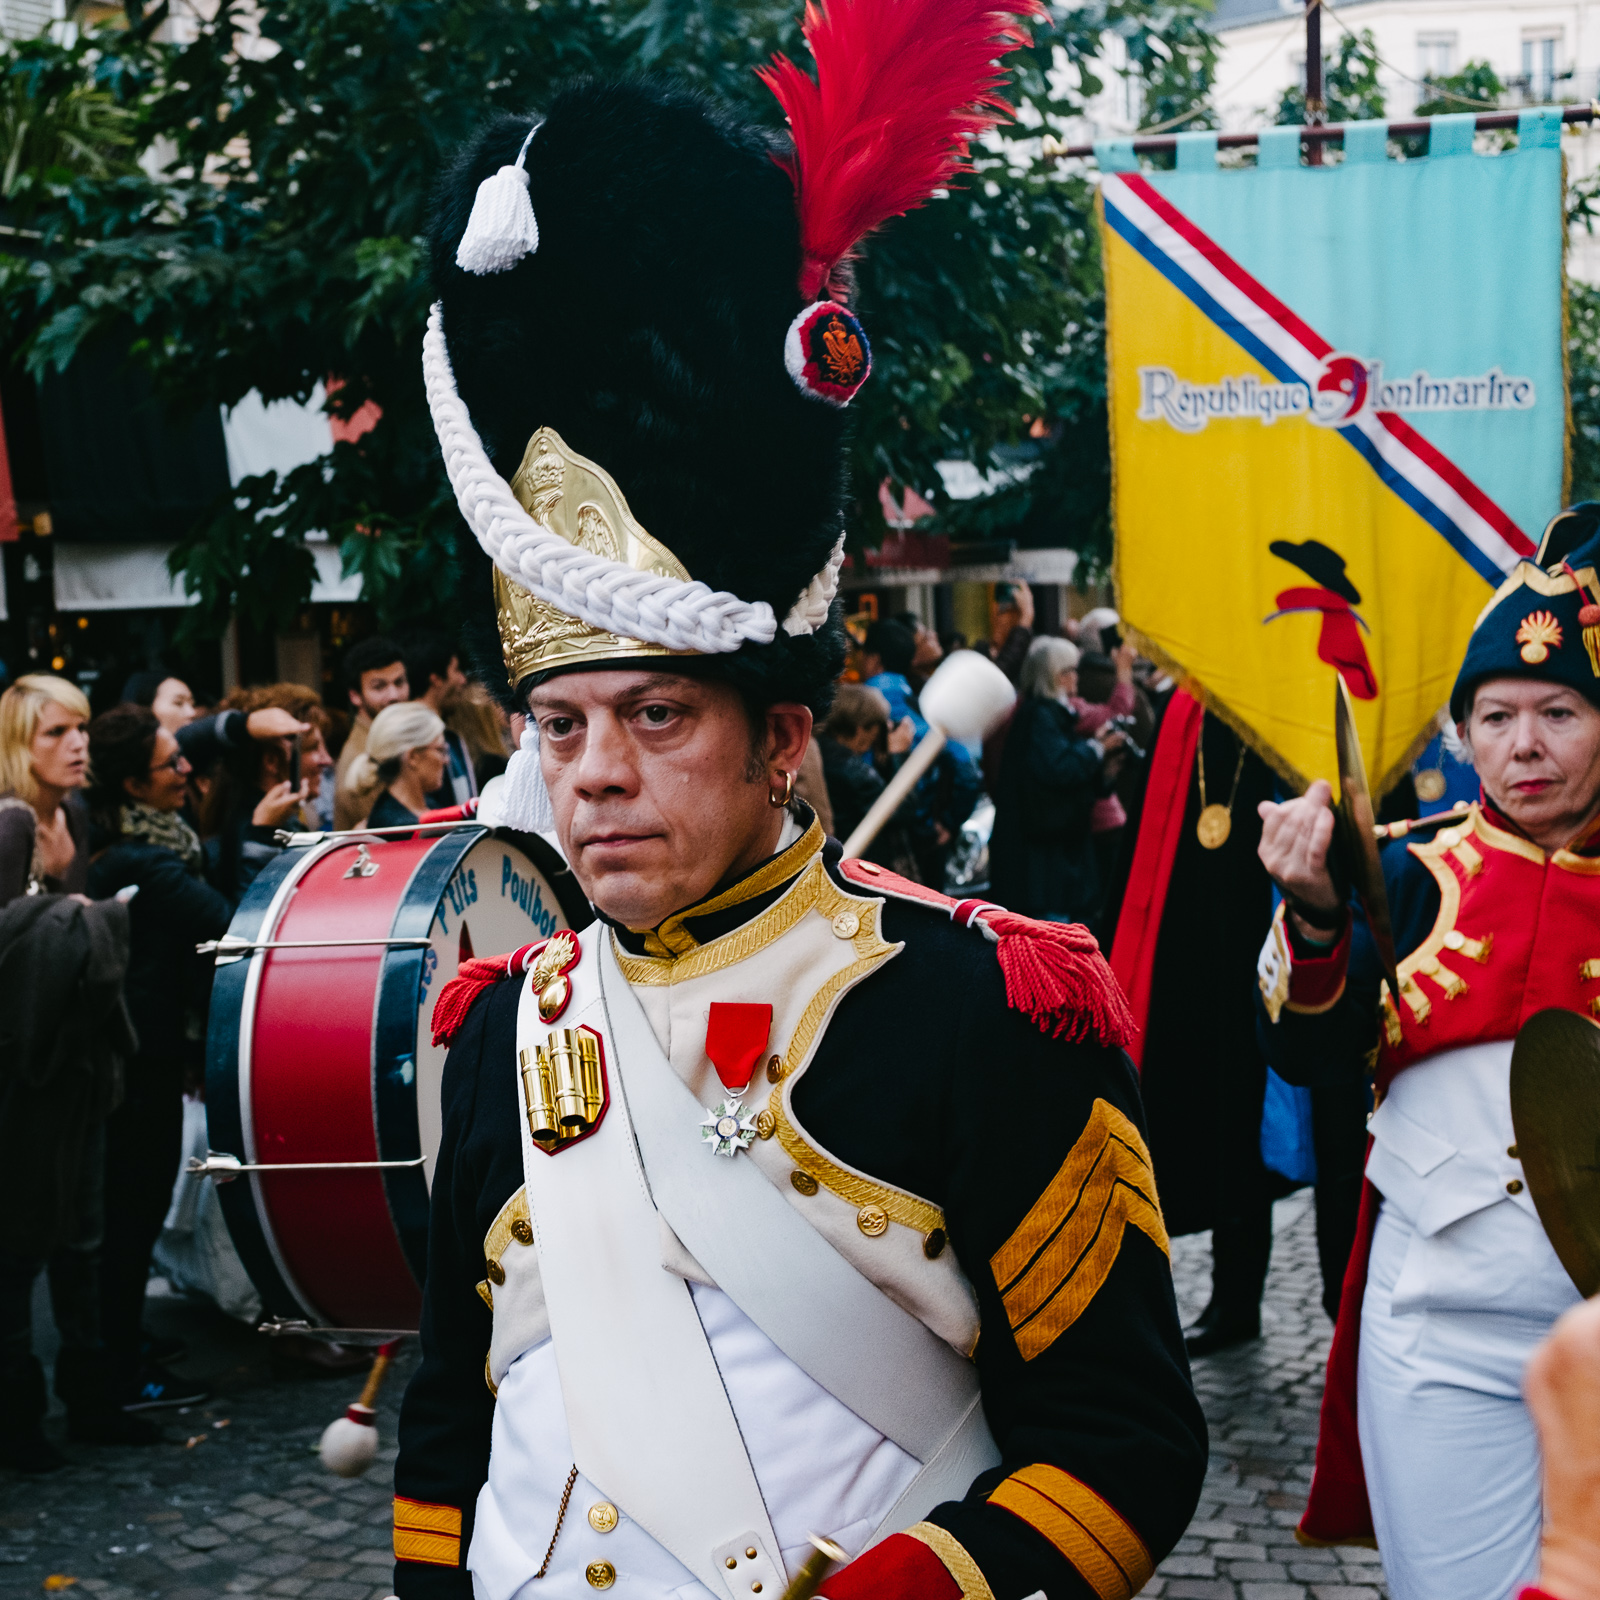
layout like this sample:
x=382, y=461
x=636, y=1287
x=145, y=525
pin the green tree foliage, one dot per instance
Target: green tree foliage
x=56, y=127
x=273, y=240
x=1350, y=89
x=1474, y=85
x=1583, y=378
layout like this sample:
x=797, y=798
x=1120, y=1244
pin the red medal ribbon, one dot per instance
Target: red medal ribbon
x=736, y=1039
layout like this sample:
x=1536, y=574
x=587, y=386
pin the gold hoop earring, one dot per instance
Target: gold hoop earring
x=788, y=791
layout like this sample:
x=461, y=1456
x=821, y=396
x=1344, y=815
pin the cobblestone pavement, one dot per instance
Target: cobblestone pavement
x=1261, y=1402
x=233, y=1501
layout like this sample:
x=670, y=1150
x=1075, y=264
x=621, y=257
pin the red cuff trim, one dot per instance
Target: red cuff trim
x=1317, y=982
x=901, y=1568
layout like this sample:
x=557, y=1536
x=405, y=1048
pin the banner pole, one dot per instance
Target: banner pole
x=1315, y=111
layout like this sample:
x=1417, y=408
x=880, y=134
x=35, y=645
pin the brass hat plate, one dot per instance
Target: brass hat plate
x=1555, y=1109
x=579, y=501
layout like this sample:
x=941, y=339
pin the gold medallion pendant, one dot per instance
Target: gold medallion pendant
x=1215, y=822
x=1214, y=826
x=1430, y=785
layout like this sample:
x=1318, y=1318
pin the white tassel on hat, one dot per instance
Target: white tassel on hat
x=502, y=228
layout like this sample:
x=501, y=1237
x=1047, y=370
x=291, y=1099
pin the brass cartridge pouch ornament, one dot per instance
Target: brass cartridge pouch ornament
x=537, y=1096
x=564, y=1074
x=563, y=1087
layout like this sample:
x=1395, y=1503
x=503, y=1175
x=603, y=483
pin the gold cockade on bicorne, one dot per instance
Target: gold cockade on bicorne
x=579, y=501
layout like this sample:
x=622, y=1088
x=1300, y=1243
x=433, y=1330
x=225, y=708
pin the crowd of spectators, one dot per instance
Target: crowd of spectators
x=126, y=841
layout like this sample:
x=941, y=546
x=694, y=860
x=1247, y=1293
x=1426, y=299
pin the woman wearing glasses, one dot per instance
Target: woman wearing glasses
x=141, y=843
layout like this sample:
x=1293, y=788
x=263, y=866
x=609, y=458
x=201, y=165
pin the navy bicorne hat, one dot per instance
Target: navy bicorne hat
x=1543, y=623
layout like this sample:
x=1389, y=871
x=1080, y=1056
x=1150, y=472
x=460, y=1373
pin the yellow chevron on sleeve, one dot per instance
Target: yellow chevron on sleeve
x=426, y=1533
x=1053, y=1265
x=1094, y=1538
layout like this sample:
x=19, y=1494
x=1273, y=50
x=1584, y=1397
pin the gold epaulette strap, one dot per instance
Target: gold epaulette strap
x=427, y=1533
x=957, y=1562
x=1053, y=1265
x=1098, y=1542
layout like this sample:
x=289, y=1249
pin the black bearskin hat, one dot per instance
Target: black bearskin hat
x=646, y=330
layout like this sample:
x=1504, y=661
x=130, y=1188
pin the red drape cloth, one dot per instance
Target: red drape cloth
x=1166, y=797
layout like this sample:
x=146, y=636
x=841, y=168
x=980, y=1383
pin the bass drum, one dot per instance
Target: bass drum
x=320, y=1057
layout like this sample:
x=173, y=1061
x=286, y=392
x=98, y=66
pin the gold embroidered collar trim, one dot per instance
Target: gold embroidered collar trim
x=672, y=940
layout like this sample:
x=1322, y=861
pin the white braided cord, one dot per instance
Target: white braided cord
x=604, y=593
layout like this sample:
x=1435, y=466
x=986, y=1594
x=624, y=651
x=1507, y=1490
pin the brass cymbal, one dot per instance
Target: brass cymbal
x=1555, y=1109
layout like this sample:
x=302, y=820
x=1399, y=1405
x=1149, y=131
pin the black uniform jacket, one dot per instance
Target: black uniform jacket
x=926, y=1079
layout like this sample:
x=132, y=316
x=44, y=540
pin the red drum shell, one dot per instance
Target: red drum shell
x=324, y=1054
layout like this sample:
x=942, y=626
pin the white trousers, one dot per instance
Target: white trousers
x=1449, y=1448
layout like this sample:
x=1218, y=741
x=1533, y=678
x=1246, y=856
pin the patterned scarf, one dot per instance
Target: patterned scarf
x=167, y=829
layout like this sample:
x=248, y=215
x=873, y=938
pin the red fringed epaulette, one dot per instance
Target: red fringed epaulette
x=1054, y=971
x=473, y=977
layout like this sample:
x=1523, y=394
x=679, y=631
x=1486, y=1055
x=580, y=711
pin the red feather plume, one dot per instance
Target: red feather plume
x=902, y=88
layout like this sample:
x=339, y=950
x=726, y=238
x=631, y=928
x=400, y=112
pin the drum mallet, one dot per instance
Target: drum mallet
x=967, y=697
x=350, y=1443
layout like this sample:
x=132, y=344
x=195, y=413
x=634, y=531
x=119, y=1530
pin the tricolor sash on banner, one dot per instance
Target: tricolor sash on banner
x=1338, y=415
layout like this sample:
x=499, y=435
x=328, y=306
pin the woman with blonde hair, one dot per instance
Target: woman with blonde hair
x=65, y=1041
x=44, y=757
x=404, y=762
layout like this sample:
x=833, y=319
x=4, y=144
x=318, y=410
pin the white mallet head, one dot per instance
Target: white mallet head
x=968, y=696
x=350, y=1443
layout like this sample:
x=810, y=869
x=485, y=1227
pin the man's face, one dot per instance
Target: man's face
x=1537, y=749
x=381, y=686
x=929, y=651
x=455, y=680
x=658, y=792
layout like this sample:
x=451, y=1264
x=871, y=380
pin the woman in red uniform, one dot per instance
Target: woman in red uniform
x=1426, y=1441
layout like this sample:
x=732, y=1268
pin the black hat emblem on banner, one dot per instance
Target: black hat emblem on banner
x=1320, y=564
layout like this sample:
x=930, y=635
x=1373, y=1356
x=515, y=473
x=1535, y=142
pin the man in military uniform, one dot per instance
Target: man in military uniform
x=1426, y=1441
x=789, y=1198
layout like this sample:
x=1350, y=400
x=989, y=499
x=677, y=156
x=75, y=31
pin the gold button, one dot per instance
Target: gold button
x=1454, y=939
x=774, y=1069
x=732, y=1562
x=495, y=1272
x=1515, y=1186
x=755, y=1588
x=933, y=1245
x=803, y=1182
x=522, y=1231
x=750, y=1554
x=846, y=925
x=868, y=868
x=1511, y=1150
x=766, y=1124
x=872, y=1220
x=1448, y=837
x=603, y=1517
x=601, y=1574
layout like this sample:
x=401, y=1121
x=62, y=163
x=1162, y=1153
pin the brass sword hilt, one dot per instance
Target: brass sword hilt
x=809, y=1578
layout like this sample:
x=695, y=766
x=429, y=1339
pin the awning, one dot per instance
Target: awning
x=134, y=577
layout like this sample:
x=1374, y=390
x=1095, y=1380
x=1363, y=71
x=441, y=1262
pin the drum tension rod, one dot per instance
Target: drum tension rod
x=282, y=1327
x=291, y=840
x=230, y=948
x=223, y=1167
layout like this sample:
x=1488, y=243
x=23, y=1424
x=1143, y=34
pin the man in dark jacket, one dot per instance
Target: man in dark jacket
x=64, y=1037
